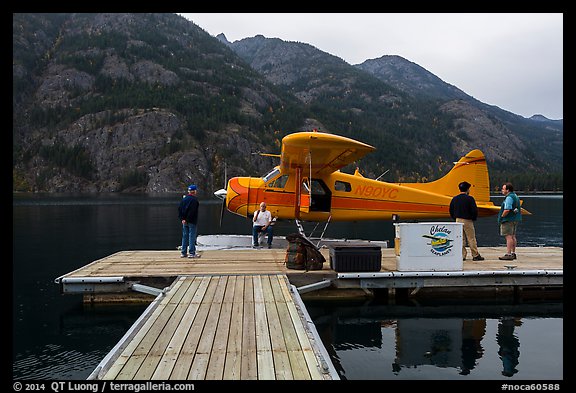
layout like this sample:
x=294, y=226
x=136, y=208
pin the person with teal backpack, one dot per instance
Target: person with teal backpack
x=508, y=218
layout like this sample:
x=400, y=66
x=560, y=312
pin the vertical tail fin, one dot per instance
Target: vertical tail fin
x=471, y=168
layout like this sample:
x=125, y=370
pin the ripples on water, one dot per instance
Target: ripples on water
x=56, y=363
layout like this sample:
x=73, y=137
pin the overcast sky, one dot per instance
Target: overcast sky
x=513, y=61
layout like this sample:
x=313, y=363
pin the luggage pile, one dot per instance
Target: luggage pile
x=301, y=254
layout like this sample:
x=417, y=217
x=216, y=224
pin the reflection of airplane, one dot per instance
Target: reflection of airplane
x=309, y=186
x=438, y=241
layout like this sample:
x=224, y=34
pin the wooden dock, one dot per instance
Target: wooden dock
x=221, y=327
x=237, y=313
x=116, y=273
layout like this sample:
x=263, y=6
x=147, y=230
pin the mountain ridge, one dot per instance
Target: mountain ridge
x=471, y=119
x=151, y=102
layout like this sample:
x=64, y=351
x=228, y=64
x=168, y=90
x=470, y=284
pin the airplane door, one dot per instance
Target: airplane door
x=320, y=196
x=305, y=197
x=301, y=195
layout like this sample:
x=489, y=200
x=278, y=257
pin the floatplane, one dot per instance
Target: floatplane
x=308, y=185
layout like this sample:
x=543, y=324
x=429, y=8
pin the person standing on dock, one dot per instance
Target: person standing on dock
x=508, y=218
x=188, y=215
x=464, y=210
x=262, y=222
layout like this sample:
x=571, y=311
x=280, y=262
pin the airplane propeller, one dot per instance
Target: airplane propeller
x=221, y=194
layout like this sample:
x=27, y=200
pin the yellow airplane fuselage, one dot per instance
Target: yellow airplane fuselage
x=357, y=198
x=308, y=185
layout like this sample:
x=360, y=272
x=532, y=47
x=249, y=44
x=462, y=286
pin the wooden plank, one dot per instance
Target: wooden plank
x=197, y=288
x=188, y=351
x=297, y=360
x=305, y=344
x=160, y=346
x=263, y=345
x=249, y=367
x=218, y=354
x=282, y=368
x=116, y=368
x=232, y=367
x=138, y=356
x=200, y=363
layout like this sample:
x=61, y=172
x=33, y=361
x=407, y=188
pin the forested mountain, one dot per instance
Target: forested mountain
x=151, y=102
x=411, y=112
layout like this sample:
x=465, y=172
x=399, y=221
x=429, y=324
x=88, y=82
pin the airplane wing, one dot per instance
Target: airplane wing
x=320, y=153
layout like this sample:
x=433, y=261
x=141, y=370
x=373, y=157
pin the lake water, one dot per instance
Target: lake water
x=56, y=337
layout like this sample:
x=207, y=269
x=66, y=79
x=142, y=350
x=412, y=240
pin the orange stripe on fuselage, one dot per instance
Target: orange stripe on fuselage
x=385, y=205
x=279, y=198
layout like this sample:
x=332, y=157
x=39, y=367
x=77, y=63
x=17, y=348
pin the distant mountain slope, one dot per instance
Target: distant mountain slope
x=530, y=143
x=110, y=102
x=550, y=124
x=414, y=80
x=411, y=78
x=151, y=102
x=424, y=118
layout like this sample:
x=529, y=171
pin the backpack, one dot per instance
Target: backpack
x=302, y=255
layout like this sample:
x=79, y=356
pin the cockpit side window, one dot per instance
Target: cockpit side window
x=342, y=186
x=271, y=175
x=279, y=182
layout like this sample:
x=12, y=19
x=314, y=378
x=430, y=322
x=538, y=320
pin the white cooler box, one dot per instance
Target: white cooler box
x=428, y=246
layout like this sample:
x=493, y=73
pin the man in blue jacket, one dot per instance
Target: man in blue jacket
x=508, y=218
x=188, y=215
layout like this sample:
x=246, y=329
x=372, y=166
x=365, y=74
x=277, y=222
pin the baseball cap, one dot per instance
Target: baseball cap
x=192, y=187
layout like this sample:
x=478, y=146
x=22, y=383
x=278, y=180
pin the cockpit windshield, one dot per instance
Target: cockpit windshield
x=270, y=175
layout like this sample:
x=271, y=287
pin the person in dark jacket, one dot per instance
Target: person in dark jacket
x=463, y=209
x=188, y=215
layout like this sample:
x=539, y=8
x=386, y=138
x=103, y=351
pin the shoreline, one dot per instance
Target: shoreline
x=531, y=193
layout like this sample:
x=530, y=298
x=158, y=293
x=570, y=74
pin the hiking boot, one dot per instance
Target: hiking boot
x=506, y=257
x=514, y=255
x=478, y=258
x=183, y=255
x=269, y=245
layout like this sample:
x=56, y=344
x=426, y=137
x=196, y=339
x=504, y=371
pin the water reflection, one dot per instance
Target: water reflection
x=473, y=331
x=387, y=342
x=509, y=344
x=454, y=342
